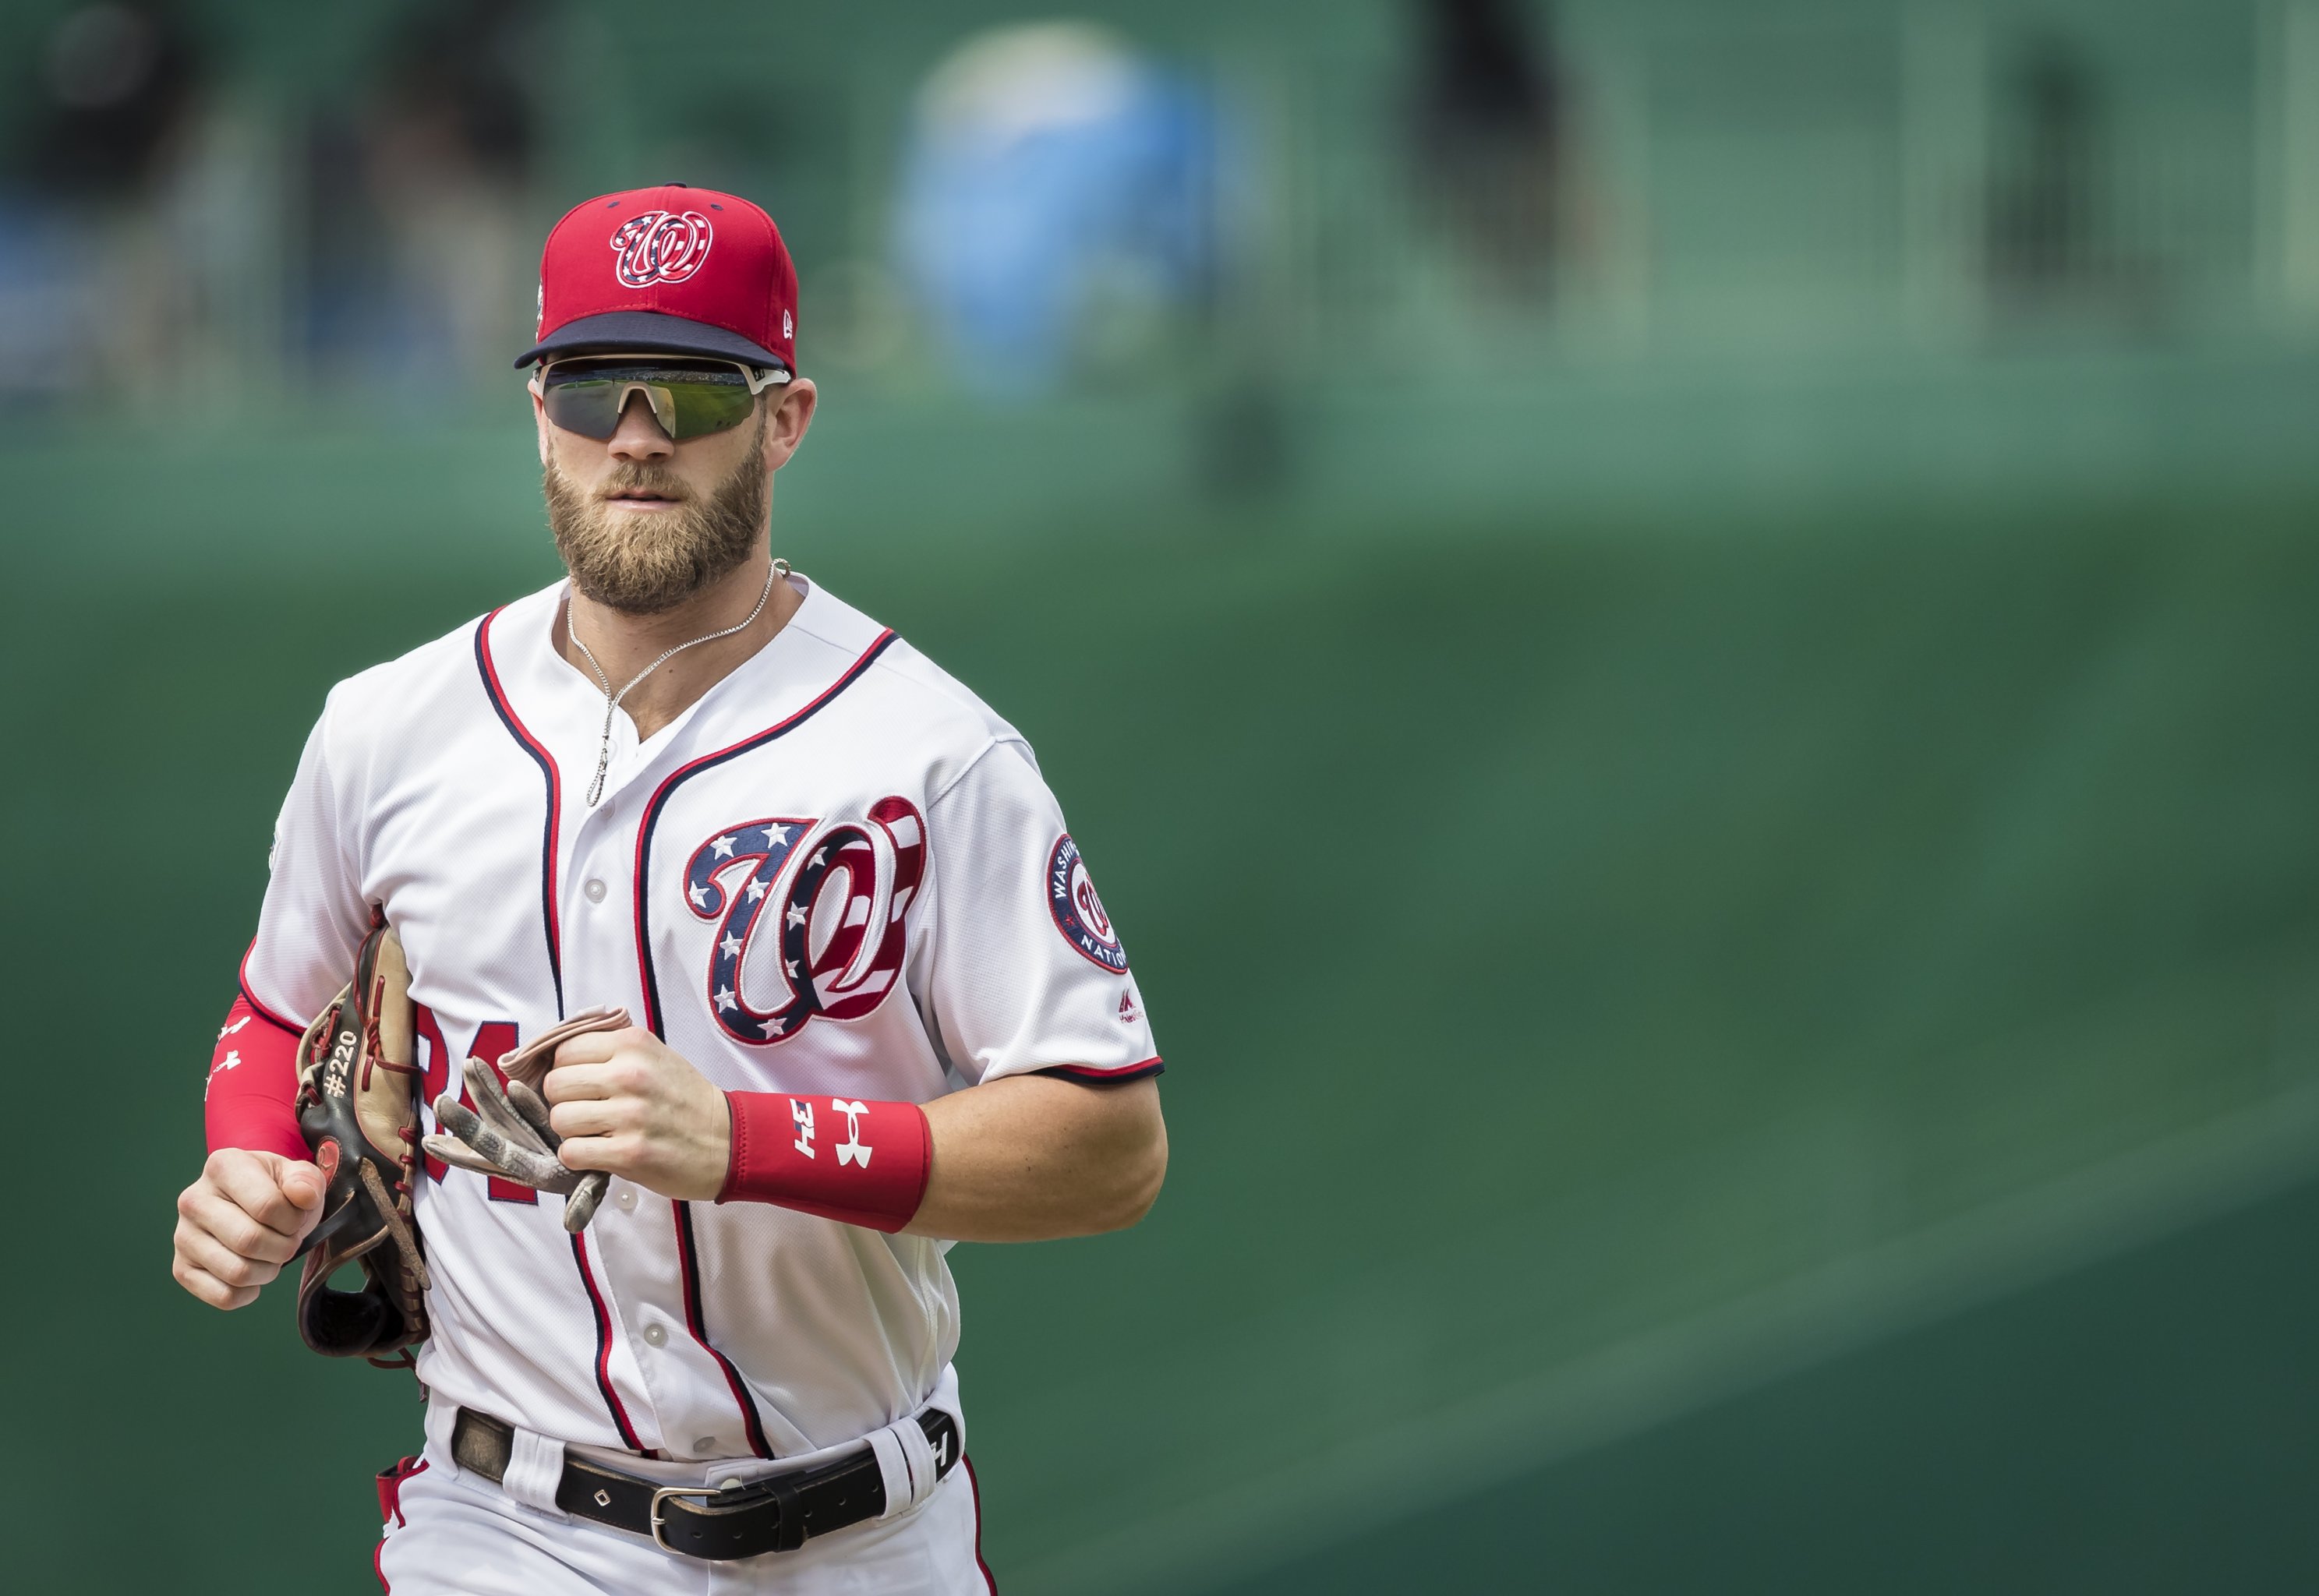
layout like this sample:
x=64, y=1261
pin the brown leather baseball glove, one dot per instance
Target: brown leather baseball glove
x=358, y=1105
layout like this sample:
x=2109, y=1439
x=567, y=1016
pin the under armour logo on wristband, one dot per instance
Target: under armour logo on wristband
x=802, y=1112
x=850, y=1150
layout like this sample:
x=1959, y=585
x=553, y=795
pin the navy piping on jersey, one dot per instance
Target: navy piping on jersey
x=550, y=930
x=603, y=1347
x=648, y=983
x=1088, y=1072
x=546, y=762
x=692, y=1321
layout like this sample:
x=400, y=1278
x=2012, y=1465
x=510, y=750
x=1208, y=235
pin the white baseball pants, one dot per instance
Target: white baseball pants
x=452, y=1531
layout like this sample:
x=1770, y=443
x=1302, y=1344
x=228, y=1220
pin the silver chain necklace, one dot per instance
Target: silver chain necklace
x=612, y=699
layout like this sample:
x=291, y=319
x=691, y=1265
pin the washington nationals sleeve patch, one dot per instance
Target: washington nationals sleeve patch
x=1078, y=912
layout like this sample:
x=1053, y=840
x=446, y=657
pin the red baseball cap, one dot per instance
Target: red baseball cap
x=670, y=270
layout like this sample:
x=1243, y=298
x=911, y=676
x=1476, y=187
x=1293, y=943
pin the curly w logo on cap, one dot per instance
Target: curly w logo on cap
x=661, y=247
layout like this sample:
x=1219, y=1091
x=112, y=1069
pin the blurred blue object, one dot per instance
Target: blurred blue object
x=50, y=298
x=1058, y=189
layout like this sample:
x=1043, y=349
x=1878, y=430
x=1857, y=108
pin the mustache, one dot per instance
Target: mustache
x=631, y=479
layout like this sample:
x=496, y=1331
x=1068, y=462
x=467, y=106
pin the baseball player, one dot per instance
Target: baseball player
x=784, y=927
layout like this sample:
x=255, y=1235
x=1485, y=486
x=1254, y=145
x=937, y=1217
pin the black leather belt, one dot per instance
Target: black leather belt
x=775, y=1514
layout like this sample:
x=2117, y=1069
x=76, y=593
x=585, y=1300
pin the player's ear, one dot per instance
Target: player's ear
x=792, y=413
x=538, y=417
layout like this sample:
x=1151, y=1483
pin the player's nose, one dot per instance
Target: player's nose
x=638, y=437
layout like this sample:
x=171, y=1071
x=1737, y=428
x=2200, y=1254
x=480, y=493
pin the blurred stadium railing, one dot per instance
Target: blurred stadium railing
x=1581, y=234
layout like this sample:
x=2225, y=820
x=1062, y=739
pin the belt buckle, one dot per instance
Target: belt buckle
x=661, y=1495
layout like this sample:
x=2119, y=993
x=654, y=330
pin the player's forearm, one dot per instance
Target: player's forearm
x=253, y=1080
x=1020, y=1159
x=1033, y=1158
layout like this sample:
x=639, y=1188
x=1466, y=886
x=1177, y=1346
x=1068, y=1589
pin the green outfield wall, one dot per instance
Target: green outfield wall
x=1609, y=967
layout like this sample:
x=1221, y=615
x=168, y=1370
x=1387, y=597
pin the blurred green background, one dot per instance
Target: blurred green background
x=1682, y=639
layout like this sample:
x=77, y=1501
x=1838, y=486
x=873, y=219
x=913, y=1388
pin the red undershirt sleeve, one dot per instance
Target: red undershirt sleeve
x=253, y=1086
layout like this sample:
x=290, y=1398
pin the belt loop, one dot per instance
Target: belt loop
x=442, y=1426
x=534, y=1469
x=788, y=1533
x=906, y=1462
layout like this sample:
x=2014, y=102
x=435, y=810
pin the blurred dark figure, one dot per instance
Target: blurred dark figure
x=415, y=265
x=2055, y=256
x=118, y=82
x=106, y=138
x=1489, y=135
x=456, y=92
x=2043, y=219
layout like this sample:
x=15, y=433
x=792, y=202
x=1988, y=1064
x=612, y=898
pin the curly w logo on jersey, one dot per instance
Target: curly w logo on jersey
x=661, y=247
x=837, y=922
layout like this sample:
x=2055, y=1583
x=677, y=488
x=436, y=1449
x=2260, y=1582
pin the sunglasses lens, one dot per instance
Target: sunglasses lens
x=709, y=404
x=591, y=409
x=686, y=402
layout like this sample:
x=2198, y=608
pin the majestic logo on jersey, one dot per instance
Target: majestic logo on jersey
x=837, y=898
x=661, y=247
x=1078, y=912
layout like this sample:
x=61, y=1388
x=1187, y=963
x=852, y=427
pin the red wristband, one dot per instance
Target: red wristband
x=250, y=1100
x=861, y=1163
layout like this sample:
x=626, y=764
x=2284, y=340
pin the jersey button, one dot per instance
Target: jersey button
x=594, y=890
x=627, y=1198
x=656, y=1335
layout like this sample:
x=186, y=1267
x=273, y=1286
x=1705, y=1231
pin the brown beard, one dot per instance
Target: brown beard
x=653, y=565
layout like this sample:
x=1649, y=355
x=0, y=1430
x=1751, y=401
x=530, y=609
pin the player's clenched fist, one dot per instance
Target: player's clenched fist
x=625, y=1101
x=242, y=1221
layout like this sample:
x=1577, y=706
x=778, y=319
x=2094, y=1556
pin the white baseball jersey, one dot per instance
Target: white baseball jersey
x=837, y=876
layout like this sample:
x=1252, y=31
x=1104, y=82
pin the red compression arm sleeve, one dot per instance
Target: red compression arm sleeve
x=253, y=1084
x=862, y=1163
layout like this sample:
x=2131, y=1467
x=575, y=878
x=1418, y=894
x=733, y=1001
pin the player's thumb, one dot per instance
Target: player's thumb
x=301, y=1182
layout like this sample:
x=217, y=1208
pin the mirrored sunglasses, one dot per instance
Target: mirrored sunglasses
x=688, y=399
